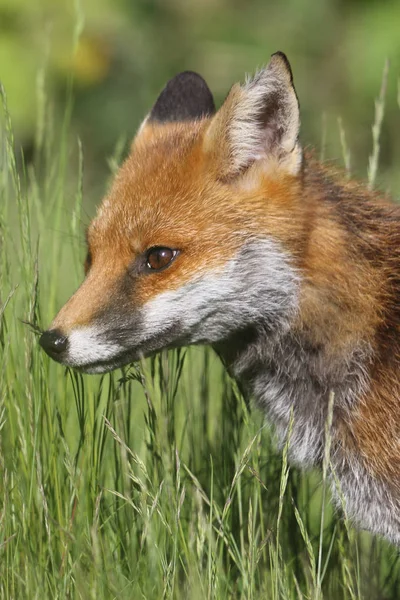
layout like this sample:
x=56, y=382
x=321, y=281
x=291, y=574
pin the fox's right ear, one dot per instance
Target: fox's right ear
x=259, y=121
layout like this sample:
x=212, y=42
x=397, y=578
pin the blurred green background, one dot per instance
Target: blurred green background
x=120, y=53
x=69, y=525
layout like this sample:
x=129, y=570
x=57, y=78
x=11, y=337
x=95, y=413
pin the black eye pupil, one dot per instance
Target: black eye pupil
x=159, y=258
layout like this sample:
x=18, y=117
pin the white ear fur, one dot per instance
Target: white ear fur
x=259, y=120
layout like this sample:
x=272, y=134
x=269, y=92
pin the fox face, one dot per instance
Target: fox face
x=196, y=240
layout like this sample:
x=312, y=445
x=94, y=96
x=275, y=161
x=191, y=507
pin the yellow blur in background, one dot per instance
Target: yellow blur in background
x=120, y=53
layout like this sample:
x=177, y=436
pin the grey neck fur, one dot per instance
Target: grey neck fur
x=281, y=371
x=285, y=371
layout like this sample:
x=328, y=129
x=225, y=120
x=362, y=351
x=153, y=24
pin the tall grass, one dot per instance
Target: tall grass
x=153, y=482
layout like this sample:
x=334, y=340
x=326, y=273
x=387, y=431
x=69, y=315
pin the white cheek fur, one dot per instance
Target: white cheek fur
x=258, y=285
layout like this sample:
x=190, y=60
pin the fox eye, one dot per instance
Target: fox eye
x=159, y=257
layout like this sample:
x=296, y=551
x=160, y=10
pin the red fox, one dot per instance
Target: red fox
x=220, y=230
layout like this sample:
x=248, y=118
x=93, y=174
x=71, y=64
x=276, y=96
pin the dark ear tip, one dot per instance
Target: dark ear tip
x=187, y=76
x=283, y=58
x=185, y=97
x=281, y=54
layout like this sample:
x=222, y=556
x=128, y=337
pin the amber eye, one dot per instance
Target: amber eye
x=159, y=257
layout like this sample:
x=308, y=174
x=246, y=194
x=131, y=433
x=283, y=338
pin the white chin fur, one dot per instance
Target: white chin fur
x=86, y=346
x=99, y=369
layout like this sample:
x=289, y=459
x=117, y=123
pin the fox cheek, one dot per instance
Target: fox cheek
x=259, y=285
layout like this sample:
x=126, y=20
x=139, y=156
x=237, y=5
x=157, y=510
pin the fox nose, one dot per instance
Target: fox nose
x=53, y=342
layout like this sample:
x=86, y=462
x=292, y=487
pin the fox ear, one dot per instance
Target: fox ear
x=258, y=121
x=185, y=97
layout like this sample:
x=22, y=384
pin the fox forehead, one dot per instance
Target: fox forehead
x=168, y=193
x=163, y=193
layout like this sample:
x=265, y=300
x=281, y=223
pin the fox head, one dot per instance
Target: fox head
x=196, y=240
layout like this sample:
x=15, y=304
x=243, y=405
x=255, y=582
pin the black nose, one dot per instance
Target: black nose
x=54, y=342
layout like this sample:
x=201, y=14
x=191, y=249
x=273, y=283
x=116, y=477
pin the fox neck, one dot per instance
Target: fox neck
x=348, y=316
x=325, y=346
x=335, y=338
x=286, y=375
x=285, y=372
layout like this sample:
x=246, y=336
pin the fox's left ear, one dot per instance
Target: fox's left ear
x=258, y=121
x=186, y=97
